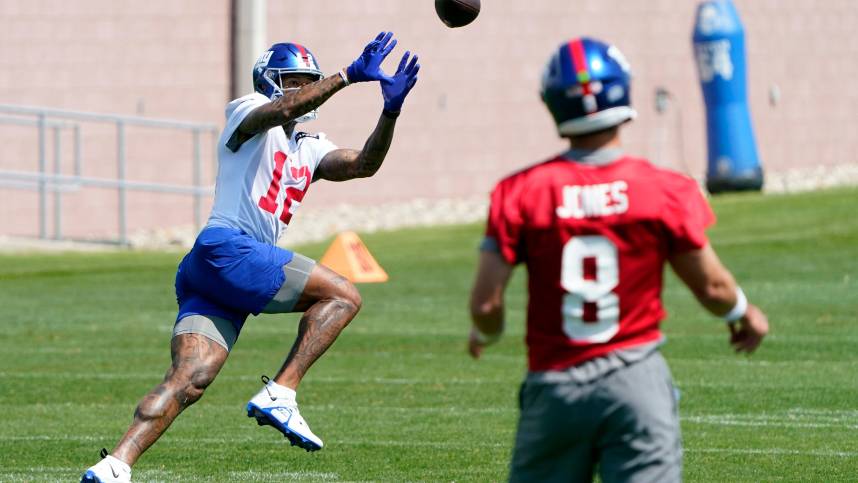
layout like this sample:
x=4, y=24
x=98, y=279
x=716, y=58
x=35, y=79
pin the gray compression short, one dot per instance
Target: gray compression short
x=223, y=331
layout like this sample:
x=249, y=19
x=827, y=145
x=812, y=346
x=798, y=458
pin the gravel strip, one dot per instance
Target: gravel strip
x=314, y=225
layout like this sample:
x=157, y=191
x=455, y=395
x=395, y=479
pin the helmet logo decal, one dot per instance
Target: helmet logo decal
x=579, y=64
x=615, y=93
x=264, y=58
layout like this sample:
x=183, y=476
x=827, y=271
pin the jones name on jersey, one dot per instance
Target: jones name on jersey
x=588, y=201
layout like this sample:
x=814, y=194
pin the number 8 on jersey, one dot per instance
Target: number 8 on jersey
x=589, y=274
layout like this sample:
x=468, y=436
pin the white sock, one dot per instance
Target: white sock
x=118, y=463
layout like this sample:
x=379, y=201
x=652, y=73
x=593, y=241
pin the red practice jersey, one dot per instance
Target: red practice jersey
x=595, y=239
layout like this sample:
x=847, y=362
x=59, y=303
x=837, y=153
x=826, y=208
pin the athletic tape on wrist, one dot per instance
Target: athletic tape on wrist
x=344, y=76
x=738, y=310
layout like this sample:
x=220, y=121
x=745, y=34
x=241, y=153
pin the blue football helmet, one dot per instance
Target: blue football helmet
x=281, y=60
x=586, y=87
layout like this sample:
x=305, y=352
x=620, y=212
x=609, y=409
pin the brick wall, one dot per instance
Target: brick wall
x=157, y=58
x=474, y=115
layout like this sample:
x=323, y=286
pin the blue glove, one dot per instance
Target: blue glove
x=395, y=88
x=367, y=67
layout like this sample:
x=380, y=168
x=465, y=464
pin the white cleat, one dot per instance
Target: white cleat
x=271, y=407
x=108, y=470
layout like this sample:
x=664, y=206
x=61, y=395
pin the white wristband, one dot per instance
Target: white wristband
x=738, y=310
x=485, y=339
x=344, y=76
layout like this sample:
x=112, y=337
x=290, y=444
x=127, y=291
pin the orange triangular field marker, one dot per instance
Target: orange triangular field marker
x=349, y=257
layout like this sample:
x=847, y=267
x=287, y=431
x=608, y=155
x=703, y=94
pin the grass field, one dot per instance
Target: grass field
x=397, y=399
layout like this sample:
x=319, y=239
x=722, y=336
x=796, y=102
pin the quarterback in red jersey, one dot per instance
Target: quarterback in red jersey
x=595, y=228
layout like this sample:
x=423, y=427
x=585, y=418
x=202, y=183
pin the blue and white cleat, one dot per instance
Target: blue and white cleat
x=108, y=470
x=272, y=406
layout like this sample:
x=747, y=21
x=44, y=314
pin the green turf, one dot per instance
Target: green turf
x=397, y=399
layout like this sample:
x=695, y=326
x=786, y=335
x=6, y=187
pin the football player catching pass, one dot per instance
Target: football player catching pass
x=235, y=269
x=595, y=228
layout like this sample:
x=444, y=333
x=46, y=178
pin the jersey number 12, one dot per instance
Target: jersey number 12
x=269, y=201
x=589, y=274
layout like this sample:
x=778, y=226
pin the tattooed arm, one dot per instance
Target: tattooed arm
x=293, y=105
x=346, y=164
x=285, y=109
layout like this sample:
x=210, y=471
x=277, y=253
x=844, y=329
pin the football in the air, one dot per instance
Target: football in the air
x=457, y=13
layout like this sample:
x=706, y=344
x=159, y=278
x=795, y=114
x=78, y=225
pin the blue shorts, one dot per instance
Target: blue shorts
x=229, y=274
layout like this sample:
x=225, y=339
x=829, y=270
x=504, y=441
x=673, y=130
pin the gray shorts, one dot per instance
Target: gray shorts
x=224, y=332
x=625, y=422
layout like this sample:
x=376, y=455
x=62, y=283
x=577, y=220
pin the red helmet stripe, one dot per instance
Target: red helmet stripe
x=579, y=63
x=304, y=55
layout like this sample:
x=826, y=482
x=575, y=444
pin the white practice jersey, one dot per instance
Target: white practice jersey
x=260, y=186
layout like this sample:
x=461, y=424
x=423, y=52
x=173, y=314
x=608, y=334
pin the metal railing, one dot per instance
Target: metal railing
x=56, y=183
